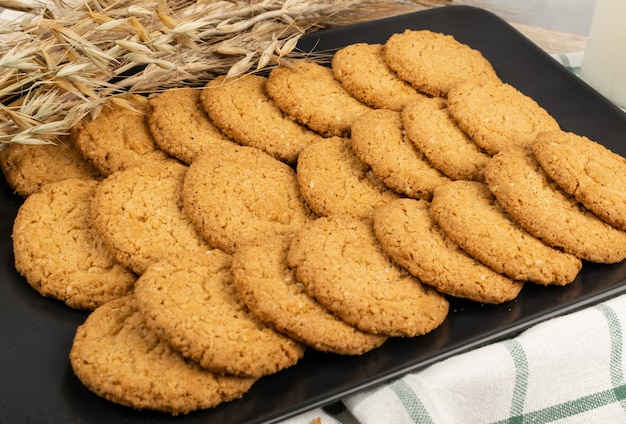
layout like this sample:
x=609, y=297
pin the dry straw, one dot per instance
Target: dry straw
x=61, y=61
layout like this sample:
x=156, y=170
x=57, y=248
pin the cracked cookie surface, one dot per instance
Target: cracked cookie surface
x=119, y=358
x=593, y=174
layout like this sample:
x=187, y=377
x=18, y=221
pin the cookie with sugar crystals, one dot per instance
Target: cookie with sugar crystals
x=435, y=133
x=497, y=116
x=379, y=141
x=192, y=302
x=180, y=126
x=59, y=252
x=139, y=214
x=334, y=181
x=238, y=196
x=528, y=194
x=471, y=216
x=411, y=236
x=363, y=72
x=433, y=62
x=310, y=94
x=342, y=265
x=119, y=136
x=242, y=109
x=270, y=289
x=593, y=174
x=27, y=167
x=117, y=357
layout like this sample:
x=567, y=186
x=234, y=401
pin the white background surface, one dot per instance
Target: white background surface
x=573, y=16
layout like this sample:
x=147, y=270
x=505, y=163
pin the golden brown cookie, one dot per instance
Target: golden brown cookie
x=117, y=357
x=334, y=181
x=119, y=137
x=238, y=196
x=342, y=265
x=191, y=301
x=310, y=94
x=270, y=289
x=471, y=216
x=242, y=109
x=593, y=174
x=540, y=206
x=410, y=235
x=180, y=126
x=362, y=70
x=435, y=133
x=59, y=252
x=433, y=62
x=497, y=116
x=139, y=214
x=379, y=141
x=27, y=167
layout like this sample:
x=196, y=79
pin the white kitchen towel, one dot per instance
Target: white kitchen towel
x=569, y=369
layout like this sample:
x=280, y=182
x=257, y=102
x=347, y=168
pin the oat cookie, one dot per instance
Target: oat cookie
x=378, y=140
x=593, y=174
x=341, y=264
x=240, y=195
x=540, y=206
x=310, y=94
x=191, y=301
x=433, y=63
x=180, y=126
x=117, y=357
x=242, y=109
x=410, y=235
x=139, y=214
x=28, y=167
x=58, y=251
x=362, y=70
x=497, y=116
x=269, y=287
x=333, y=180
x=119, y=137
x=471, y=216
x=435, y=133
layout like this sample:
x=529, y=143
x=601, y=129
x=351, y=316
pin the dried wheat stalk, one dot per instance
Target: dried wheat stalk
x=61, y=61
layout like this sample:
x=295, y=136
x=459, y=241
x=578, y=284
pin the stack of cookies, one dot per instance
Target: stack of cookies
x=216, y=233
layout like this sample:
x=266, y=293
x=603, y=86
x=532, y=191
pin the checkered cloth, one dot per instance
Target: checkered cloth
x=567, y=370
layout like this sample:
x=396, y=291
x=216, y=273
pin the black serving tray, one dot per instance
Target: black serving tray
x=36, y=380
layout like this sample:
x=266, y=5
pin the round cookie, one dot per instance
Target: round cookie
x=435, y=133
x=240, y=195
x=117, y=357
x=433, y=63
x=58, y=251
x=270, y=289
x=527, y=193
x=139, y=214
x=310, y=94
x=334, y=181
x=593, y=174
x=119, y=137
x=379, y=141
x=363, y=72
x=497, y=116
x=342, y=265
x=191, y=301
x=242, y=109
x=27, y=167
x=409, y=234
x=180, y=126
x=470, y=215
